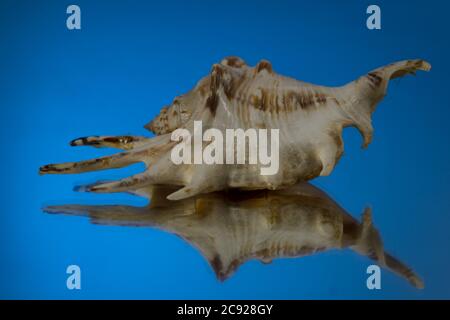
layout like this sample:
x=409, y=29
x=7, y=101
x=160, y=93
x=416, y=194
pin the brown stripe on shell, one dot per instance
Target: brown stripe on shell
x=120, y=139
x=305, y=100
x=211, y=103
x=87, y=163
x=261, y=103
x=291, y=100
x=125, y=141
x=336, y=101
x=232, y=87
x=264, y=65
x=85, y=141
x=217, y=265
x=266, y=255
x=229, y=81
x=374, y=79
x=320, y=98
x=287, y=251
x=216, y=78
x=234, y=62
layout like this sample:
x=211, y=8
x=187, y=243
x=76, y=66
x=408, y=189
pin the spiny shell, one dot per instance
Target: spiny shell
x=310, y=120
x=230, y=228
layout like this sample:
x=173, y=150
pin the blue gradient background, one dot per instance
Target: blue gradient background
x=133, y=57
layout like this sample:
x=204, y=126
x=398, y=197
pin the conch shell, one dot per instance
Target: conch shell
x=231, y=227
x=310, y=119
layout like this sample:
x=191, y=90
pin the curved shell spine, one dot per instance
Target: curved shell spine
x=310, y=119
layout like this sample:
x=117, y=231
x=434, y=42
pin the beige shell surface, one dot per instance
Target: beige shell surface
x=310, y=119
x=230, y=228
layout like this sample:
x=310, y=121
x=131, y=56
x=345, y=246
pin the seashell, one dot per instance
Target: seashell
x=230, y=228
x=310, y=120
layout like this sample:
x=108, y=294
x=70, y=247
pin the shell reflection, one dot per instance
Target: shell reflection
x=310, y=119
x=230, y=228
